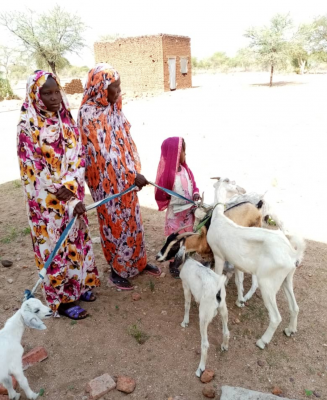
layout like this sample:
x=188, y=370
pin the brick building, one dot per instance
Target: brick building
x=149, y=63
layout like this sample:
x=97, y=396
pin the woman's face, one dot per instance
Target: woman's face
x=114, y=92
x=183, y=154
x=50, y=95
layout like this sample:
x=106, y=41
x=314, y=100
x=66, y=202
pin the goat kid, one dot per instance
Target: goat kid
x=209, y=292
x=268, y=254
x=30, y=314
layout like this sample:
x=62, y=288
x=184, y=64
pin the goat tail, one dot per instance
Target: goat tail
x=298, y=244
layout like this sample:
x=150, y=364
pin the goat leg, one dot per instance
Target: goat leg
x=239, y=278
x=188, y=296
x=253, y=289
x=12, y=394
x=23, y=383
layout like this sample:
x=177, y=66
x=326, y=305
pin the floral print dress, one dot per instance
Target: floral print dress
x=177, y=220
x=50, y=156
x=112, y=162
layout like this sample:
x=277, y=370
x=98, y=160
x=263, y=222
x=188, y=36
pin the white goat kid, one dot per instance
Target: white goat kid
x=30, y=314
x=265, y=253
x=209, y=292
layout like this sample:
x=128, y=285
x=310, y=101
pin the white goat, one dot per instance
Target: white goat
x=265, y=253
x=209, y=292
x=31, y=313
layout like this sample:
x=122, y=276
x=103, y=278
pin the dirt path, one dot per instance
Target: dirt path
x=165, y=364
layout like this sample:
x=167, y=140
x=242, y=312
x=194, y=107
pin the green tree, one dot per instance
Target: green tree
x=48, y=36
x=271, y=43
x=318, y=37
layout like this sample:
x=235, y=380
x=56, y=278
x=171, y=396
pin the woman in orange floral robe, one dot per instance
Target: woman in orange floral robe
x=113, y=165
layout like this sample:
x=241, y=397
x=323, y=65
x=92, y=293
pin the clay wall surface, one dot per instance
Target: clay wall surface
x=138, y=61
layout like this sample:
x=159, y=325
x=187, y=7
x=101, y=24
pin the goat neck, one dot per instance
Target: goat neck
x=15, y=326
x=220, y=199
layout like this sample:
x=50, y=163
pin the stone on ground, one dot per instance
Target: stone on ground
x=99, y=386
x=207, y=376
x=235, y=393
x=125, y=384
x=209, y=391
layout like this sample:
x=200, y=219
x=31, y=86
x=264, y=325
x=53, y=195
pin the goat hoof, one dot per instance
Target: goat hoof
x=16, y=397
x=199, y=372
x=288, y=332
x=261, y=344
x=224, y=347
x=184, y=324
x=240, y=304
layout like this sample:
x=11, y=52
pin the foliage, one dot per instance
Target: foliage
x=140, y=336
x=271, y=43
x=48, y=36
x=110, y=38
x=5, y=89
x=318, y=37
x=72, y=71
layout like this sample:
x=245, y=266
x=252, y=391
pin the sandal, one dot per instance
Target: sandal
x=73, y=312
x=174, y=271
x=152, y=270
x=121, y=283
x=88, y=297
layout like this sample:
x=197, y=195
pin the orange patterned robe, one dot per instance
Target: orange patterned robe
x=112, y=162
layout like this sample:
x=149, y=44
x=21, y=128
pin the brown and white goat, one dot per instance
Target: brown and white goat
x=244, y=214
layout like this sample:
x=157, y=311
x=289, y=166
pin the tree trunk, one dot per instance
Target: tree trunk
x=271, y=75
x=52, y=66
x=302, y=66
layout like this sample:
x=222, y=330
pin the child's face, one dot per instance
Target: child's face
x=183, y=154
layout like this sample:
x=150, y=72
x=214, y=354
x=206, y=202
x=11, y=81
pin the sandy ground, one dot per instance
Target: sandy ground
x=165, y=364
x=265, y=139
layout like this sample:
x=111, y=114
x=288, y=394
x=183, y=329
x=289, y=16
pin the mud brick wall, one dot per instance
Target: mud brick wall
x=179, y=47
x=143, y=61
x=138, y=60
x=75, y=86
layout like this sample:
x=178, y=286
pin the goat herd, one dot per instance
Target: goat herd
x=232, y=238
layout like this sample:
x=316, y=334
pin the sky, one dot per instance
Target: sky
x=212, y=25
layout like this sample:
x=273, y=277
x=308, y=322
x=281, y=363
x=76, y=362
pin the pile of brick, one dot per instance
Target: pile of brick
x=75, y=86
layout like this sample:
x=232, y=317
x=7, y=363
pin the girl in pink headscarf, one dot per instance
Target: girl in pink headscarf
x=174, y=174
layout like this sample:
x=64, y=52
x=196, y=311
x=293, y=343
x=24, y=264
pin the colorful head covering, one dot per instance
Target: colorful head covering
x=48, y=139
x=96, y=110
x=168, y=166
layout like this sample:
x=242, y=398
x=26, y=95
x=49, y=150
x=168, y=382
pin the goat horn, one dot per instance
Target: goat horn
x=202, y=200
x=218, y=178
x=183, y=227
x=184, y=234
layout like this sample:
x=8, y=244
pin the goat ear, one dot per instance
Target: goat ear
x=33, y=321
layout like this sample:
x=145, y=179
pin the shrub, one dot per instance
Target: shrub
x=5, y=89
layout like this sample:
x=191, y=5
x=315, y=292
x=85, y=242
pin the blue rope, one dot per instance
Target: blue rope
x=173, y=193
x=29, y=293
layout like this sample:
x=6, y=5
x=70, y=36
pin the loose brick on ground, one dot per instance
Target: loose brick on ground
x=99, y=386
x=34, y=356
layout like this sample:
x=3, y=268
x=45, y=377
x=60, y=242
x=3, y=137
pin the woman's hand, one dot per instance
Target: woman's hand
x=64, y=194
x=196, y=197
x=140, y=181
x=79, y=209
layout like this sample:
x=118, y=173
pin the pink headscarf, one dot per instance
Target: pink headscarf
x=168, y=165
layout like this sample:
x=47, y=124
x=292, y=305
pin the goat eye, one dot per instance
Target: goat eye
x=37, y=310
